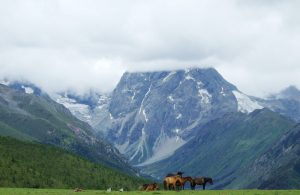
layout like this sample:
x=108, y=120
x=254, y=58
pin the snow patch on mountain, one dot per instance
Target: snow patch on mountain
x=148, y=92
x=171, y=98
x=81, y=111
x=169, y=76
x=245, y=104
x=189, y=77
x=204, y=95
x=4, y=82
x=222, y=92
x=28, y=90
x=145, y=115
x=179, y=116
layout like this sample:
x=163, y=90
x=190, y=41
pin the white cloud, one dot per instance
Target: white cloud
x=79, y=45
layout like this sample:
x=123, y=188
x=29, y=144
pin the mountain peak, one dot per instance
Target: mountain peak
x=291, y=92
x=205, y=75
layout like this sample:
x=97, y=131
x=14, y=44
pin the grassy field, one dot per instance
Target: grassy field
x=23, y=191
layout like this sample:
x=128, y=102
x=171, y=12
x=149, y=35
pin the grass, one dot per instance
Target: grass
x=26, y=191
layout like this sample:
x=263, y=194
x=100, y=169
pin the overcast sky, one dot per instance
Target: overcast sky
x=78, y=45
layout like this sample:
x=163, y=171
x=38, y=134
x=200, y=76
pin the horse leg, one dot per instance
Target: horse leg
x=165, y=185
x=192, y=187
x=203, y=186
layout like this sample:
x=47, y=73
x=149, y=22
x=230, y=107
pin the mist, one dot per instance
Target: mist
x=83, y=45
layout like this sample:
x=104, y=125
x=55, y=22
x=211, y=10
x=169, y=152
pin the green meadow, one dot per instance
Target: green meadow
x=23, y=191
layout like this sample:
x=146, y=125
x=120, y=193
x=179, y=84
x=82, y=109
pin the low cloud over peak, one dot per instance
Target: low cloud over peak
x=79, y=45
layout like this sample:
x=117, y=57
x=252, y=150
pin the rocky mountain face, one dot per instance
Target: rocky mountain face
x=28, y=114
x=150, y=115
x=154, y=114
x=224, y=148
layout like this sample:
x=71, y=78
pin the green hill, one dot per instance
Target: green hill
x=29, y=164
x=226, y=147
x=278, y=167
x=37, y=117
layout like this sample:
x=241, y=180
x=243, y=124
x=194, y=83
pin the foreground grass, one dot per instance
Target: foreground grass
x=23, y=191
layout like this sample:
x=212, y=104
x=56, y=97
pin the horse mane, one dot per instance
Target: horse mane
x=179, y=173
x=188, y=178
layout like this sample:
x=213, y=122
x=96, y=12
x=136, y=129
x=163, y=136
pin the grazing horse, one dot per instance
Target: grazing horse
x=152, y=187
x=201, y=181
x=181, y=181
x=170, y=182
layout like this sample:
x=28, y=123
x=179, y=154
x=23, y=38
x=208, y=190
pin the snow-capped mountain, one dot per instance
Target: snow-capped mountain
x=88, y=108
x=150, y=115
x=191, y=120
x=26, y=87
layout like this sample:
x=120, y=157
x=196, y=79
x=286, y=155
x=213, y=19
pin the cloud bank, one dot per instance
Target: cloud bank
x=79, y=45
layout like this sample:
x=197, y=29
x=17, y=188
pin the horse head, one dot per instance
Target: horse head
x=209, y=180
x=180, y=173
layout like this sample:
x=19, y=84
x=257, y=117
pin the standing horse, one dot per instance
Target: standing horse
x=181, y=181
x=201, y=181
x=170, y=182
x=171, y=179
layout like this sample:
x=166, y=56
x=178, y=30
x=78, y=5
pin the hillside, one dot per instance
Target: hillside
x=33, y=165
x=225, y=147
x=278, y=167
x=30, y=116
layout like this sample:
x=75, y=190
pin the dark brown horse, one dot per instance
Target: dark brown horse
x=201, y=181
x=152, y=187
x=181, y=181
x=179, y=173
x=143, y=187
x=149, y=187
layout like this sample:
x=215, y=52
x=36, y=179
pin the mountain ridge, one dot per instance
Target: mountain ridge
x=157, y=118
x=32, y=117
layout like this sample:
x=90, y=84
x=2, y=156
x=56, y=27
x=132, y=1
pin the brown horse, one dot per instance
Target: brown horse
x=181, y=181
x=152, y=187
x=149, y=187
x=143, y=187
x=170, y=182
x=201, y=181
